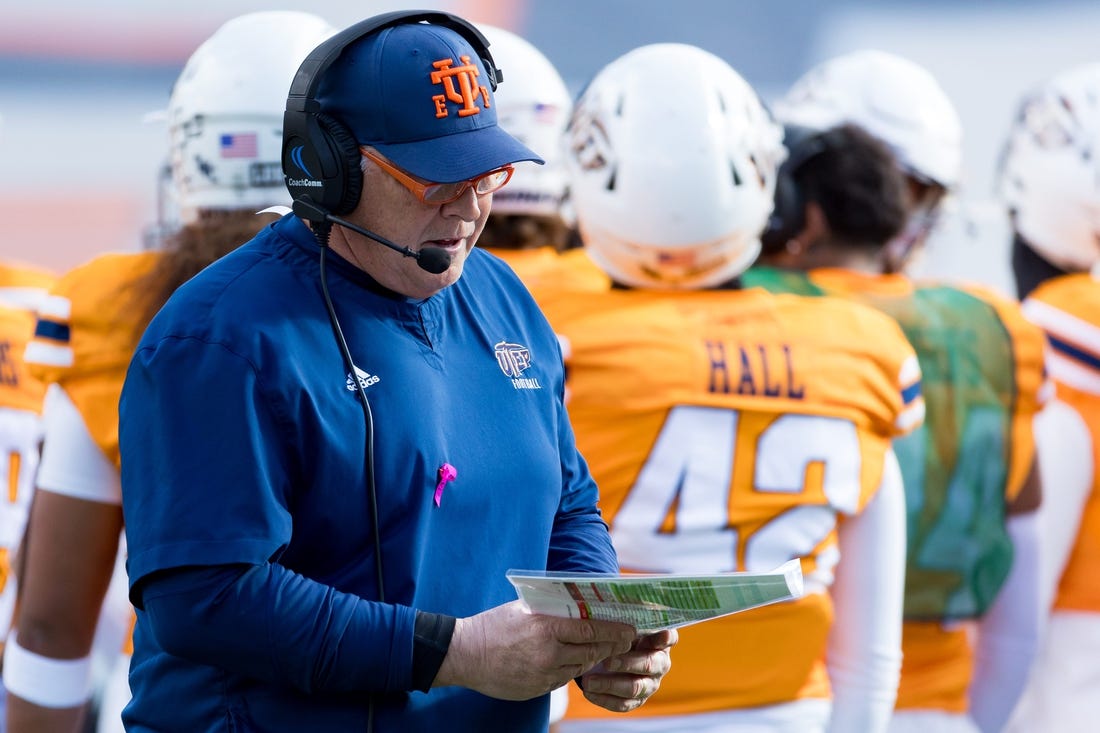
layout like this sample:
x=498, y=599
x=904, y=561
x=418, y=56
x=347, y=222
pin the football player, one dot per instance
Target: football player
x=1050, y=182
x=971, y=482
x=730, y=430
x=225, y=118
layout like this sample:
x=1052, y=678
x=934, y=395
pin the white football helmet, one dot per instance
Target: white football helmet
x=225, y=114
x=672, y=162
x=533, y=105
x=1050, y=169
x=890, y=97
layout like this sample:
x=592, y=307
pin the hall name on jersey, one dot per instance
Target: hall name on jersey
x=752, y=369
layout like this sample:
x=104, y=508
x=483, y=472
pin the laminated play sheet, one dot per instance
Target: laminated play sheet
x=654, y=601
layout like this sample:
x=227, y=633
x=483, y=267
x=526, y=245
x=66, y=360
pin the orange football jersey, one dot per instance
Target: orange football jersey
x=733, y=430
x=87, y=331
x=1068, y=309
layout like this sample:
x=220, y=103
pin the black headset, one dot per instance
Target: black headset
x=320, y=154
x=789, y=213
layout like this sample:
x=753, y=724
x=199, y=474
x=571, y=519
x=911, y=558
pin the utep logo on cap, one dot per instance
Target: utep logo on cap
x=468, y=89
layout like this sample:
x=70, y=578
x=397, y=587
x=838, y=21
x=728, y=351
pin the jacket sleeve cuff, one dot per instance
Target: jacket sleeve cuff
x=431, y=640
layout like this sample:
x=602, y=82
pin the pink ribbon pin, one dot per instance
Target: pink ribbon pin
x=447, y=473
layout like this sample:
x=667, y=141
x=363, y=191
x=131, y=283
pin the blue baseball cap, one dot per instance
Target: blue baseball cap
x=419, y=94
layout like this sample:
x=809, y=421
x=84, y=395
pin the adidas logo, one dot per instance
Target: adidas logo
x=365, y=380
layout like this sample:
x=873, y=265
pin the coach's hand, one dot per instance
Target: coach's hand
x=511, y=654
x=625, y=681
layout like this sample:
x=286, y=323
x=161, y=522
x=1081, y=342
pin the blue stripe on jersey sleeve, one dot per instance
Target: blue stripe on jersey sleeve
x=911, y=392
x=52, y=330
x=1074, y=352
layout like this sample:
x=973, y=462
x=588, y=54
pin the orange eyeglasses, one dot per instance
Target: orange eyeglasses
x=437, y=194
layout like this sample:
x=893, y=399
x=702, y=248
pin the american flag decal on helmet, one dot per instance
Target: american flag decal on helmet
x=238, y=145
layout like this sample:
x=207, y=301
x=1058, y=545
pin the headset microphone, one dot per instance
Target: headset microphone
x=431, y=259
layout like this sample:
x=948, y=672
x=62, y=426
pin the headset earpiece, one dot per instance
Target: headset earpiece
x=320, y=154
x=321, y=161
x=789, y=212
x=345, y=150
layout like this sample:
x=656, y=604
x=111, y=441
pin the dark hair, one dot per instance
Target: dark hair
x=188, y=251
x=858, y=185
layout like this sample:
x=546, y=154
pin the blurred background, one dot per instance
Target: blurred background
x=80, y=151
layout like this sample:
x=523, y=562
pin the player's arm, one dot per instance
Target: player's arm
x=1042, y=536
x=1008, y=633
x=70, y=554
x=70, y=547
x=864, y=654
